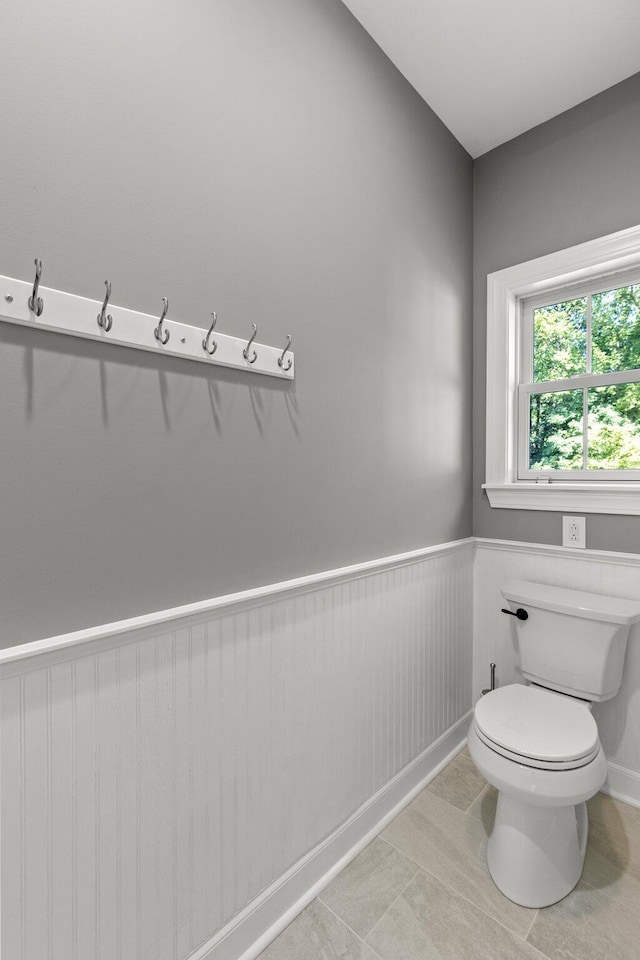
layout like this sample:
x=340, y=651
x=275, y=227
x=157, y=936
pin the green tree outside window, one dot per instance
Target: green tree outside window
x=566, y=344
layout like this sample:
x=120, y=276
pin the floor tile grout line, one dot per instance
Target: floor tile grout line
x=600, y=890
x=455, y=806
x=420, y=869
x=543, y=956
x=379, y=920
x=417, y=865
x=481, y=909
x=465, y=813
x=475, y=799
x=461, y=895
x=429, y=787
x=533, y=920
x=446, y=803
x=343, y=921
x=417, y=871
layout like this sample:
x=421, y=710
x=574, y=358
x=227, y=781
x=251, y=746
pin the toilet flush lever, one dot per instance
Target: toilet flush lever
x=519, y=613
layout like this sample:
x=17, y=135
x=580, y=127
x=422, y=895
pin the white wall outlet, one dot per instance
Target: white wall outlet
x=574, y=532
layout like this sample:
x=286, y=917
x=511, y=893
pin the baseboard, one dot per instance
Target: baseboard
x=622, y=784
x=247, y=935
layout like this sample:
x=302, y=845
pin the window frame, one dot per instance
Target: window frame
x=606, y=259
x=527, y=386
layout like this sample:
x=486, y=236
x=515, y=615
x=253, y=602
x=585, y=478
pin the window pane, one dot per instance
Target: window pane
x=614, y=427
x=615, y=329
x=555, y=437
x=560, y=340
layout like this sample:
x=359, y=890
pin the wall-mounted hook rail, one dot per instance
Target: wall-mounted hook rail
x=23, y=304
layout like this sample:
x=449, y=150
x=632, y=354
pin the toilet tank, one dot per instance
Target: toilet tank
x=572, y=641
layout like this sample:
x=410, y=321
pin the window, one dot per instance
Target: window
x=563, y=380
x=579, y=392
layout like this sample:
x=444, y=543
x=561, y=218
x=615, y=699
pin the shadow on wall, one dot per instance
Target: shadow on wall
x=620, y=728
x=171, y=397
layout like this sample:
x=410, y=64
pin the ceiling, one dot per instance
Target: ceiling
x=492, y=69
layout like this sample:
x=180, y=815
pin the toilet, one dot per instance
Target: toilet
x=538, y=742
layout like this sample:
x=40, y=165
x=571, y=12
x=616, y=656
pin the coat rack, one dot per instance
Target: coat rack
x=47, y=309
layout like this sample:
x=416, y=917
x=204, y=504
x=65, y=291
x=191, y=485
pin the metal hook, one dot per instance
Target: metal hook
x=160, y=334
x=205, y=342
x=245, y=352
x=36, y=303
x=281, y=357
x=105, y=320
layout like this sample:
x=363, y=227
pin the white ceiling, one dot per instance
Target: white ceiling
x=492, y=69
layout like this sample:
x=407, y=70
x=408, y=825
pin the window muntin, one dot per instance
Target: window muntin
x=614, y=432
x=560, y=340
x=556, y=430
x=579, y=392
x=615, y=329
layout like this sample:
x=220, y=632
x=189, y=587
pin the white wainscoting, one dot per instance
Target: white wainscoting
x=615, y=574
x=177, y=783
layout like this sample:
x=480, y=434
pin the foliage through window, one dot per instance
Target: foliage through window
x=579, y=394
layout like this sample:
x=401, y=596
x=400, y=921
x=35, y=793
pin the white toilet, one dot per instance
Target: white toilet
x=538, y=744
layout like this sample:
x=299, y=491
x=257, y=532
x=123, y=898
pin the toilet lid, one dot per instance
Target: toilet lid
x=537, y=724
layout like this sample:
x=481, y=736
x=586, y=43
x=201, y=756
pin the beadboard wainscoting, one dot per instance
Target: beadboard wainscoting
x=176, y=785
x=616, y=574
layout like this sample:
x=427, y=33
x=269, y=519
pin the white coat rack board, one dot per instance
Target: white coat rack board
x=43, y=308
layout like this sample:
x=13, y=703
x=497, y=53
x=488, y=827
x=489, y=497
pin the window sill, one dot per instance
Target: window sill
x=588, y=497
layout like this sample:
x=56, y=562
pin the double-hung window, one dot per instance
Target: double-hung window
x=579, y=390
x=563, y=380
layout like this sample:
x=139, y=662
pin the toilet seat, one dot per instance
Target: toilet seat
x=531, y=761
x=537, y=728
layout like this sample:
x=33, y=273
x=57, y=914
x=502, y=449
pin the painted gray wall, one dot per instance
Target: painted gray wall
x=267, y=161
x=565, y=182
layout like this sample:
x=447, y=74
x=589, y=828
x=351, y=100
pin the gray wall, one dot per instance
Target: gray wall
x=264, y=160
x=572, y=179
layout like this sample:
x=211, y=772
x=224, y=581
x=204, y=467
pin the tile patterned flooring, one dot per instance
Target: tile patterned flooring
x=421, y=890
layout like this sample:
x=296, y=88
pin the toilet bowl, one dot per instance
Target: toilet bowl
x=542, y=753
x=537, y=741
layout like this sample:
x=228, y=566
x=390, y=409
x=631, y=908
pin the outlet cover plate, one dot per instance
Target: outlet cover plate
x=574, y=532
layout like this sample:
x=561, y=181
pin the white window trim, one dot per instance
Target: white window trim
x=617, y=252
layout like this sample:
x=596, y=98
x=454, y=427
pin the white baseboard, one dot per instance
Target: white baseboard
x=622, y=784
x=247, y=935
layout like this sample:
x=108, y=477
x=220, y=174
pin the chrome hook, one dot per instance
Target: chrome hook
x=105, y=320
x=36, y=303
x=160, y=334
x=245, y=352
x=281, y=357
x=205, y=342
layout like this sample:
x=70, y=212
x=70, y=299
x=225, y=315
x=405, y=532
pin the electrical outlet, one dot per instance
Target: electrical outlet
x=574, y=532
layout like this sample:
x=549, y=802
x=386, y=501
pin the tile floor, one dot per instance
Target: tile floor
x=421, y=890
